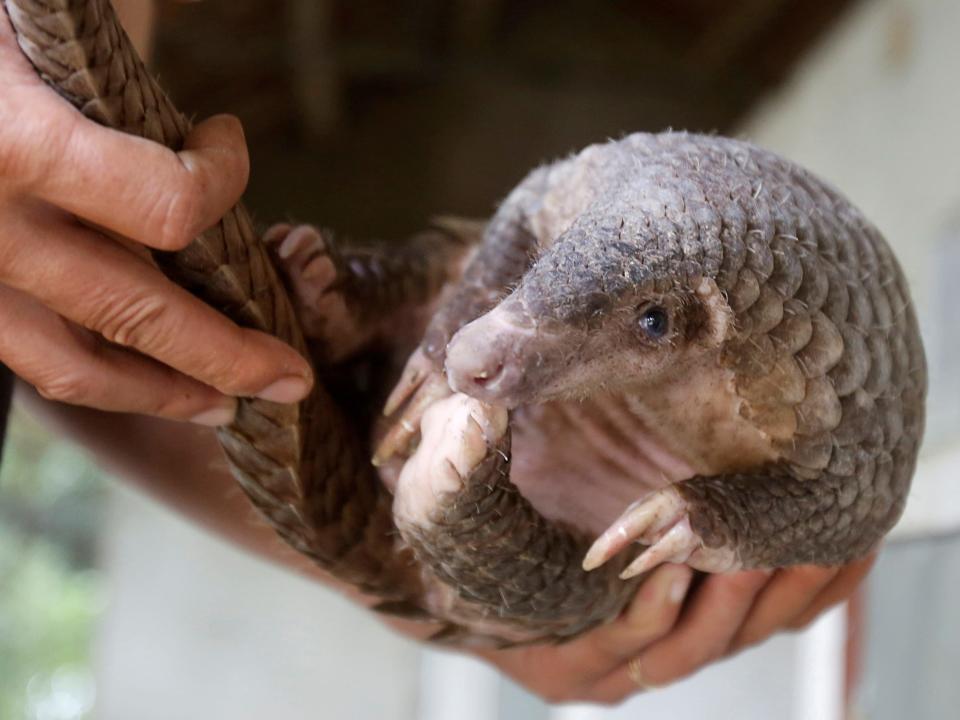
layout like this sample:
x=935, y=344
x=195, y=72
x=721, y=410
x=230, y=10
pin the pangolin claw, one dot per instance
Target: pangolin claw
x=420, y=386
x=640, y=522
x=417, y=368
x=660, y=522
x=675, y=546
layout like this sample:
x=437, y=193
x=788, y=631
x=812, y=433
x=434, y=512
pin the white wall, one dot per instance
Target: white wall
x=197, y=630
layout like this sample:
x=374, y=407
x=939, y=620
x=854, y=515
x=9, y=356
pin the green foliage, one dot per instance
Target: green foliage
x=50, y=595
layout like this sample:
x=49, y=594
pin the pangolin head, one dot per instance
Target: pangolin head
x=595, y=313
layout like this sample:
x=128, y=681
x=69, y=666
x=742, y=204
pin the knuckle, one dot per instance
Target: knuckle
x=655, y=625
x=748, y=637
x=230, y=366
x=563, y=689
x=706, y=653
x=811, y=613
x=743, y=584
x=713, y=650
x=798, y=624
x=219, y=372
x=238, y=154
x=68, y=387
x=609, y=700
x=220, y=159
x=177, y=214
x=812, y=574
x=27, y=151
x=711, y=653
x=139, y=321
x=11, y=252
x=171, y=405
x=11, y=162
x=555, y=695
x=585, y=692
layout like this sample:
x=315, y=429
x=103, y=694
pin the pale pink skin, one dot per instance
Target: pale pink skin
x=583, y=461
x=570, y=465
x=555, y=476
x=600, y=461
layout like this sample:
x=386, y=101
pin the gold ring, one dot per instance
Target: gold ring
x=635, y=673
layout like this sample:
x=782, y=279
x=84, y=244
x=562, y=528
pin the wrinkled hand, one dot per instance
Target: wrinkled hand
x=663, y=637
x=89, y=320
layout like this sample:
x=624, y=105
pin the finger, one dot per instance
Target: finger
x=703, y=634
x=789, y=592
x=840, y=588
x=67, y=364
x=576, y=666
x=98, y=284
x=651, y=614
x=134, y=187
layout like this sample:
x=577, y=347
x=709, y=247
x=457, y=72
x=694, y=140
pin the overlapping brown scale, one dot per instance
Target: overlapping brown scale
x=860, y=309
x=820, y=410
x=852, y=370
x=788, y=274
x=706, y=230
x=750, y=356
x=824, y=350
x=732, y=241
x=778, y=421
x=759, y=252
x=783, y=384
x=765, y=313
x=812, y=454
x=795, y=329
x=745, y=292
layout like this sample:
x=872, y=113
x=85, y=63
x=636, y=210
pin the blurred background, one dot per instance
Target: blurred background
x=370, y=116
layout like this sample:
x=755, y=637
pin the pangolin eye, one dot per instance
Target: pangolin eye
x=655, y=322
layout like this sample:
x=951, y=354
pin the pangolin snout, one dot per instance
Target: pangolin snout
x=485, y=359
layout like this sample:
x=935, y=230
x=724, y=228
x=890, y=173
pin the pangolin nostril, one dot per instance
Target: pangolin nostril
x=486, y=377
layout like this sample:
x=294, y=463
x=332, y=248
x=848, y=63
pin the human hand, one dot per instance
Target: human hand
x=661, y=638
x=88, y=319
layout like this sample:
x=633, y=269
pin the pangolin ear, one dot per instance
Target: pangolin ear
x=711, y=320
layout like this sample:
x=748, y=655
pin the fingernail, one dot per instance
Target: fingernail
x=667, y=585
x=276, y=232
x=290, y=389
x=215, y=417
x=679, y=587
x=291, y=244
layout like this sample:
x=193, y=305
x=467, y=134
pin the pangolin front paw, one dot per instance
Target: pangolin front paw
x=421, y=386
x=662, y=523
x=308, y=262
x=458, y=433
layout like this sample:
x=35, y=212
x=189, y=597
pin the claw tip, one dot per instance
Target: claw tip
x=593, y=559
x=641, y=565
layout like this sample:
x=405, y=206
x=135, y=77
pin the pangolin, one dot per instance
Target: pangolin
x=677, y=341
